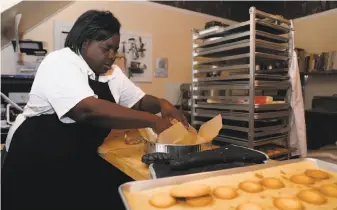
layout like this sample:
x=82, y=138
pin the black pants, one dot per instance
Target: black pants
x=34, y=188
x=40, y=173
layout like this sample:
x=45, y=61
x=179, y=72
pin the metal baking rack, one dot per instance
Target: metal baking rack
x=230, y=66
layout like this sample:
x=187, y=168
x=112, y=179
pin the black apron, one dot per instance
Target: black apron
x=53, y=165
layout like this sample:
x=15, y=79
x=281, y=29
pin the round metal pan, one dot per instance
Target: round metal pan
x=174, y=149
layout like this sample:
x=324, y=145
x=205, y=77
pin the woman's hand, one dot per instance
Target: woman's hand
x=161, y=124
x=168, y=111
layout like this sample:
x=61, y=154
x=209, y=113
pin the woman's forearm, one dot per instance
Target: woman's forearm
x=155, y=105
x=149, y=104
x=105, y=114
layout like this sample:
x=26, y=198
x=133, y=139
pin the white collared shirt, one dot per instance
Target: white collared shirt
x=61, y=82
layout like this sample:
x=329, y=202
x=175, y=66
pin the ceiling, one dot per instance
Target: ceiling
x=27, y=9
x=238, y=10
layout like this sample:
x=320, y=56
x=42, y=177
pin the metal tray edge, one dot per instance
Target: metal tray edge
x=192, y=177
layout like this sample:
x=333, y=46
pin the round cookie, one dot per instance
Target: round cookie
x=316, y=174
x=288, y=204
x=251, y=187
x=249, y=206
x=162, y=200
x=312, y=196
x=224, y=192
x=272, y=183
x=190, y=190
x=329, y=190
x=302, y=179
x=199, y=201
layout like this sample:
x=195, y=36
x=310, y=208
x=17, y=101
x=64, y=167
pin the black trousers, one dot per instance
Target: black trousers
x=43, y=172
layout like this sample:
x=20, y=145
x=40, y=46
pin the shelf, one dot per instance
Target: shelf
x=246, y=77
x=224, y=78
x=239, y=36
x=235, y=68
x=279, y=128
x=320, y=73
x=241, y=47
x=242, y=107
x=275, y=151
x=261, y=25
x=254, y=143
x=241, y=85
x=17, y=76
x=242, y=116
x=260, y=58
x=208, y=68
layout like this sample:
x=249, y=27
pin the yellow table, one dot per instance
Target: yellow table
x=125, y=157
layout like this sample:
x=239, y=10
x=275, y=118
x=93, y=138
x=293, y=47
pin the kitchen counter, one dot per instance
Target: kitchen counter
x=125, y=157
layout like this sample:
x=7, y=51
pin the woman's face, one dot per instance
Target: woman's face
x=100, y=55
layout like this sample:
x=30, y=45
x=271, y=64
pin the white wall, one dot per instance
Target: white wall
x=317, y=33
x=170, y=28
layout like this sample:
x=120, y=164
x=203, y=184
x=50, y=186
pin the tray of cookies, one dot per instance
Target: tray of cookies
x=301, y=184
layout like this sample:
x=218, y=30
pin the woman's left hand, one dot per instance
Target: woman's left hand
x=169, y=111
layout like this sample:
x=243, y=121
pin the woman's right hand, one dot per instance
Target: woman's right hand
x=161, y=124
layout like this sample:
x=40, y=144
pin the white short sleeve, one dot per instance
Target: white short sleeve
x=64, y=85
x=127, y=93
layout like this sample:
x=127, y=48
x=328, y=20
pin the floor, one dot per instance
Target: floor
x=326, y=153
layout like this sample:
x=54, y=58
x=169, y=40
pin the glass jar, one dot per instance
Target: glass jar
x=132, y=137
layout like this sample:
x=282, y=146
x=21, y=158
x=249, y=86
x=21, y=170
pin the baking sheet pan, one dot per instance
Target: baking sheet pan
x=150, y=184
x=261, y=25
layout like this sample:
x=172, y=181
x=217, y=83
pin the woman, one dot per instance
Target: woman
x=76, y=98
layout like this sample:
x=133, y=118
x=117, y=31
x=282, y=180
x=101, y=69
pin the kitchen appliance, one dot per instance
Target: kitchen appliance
x=15, y=107
x=9, y=114
x=14, y=96
x=174, y=149
x=30, y=57
x=15, y=104
x=321, y=121
x=325, y=103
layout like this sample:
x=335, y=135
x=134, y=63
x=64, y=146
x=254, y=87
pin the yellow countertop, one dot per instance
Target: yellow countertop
x=126, y=158
x=123, y=156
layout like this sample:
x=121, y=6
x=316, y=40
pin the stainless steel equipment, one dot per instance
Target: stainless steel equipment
x=251, y=59
x=175, y=149
x=14, y=96
x=150, y=184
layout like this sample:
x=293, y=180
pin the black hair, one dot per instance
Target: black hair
x=92, y=25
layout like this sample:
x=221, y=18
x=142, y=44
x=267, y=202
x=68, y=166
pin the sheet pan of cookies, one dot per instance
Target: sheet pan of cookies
x=302, y=184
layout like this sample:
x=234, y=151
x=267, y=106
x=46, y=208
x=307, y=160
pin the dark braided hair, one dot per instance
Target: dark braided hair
x=92, y=25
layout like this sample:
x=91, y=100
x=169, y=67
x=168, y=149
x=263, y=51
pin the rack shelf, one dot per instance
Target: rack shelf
x=226, y=79
x=320, y=73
